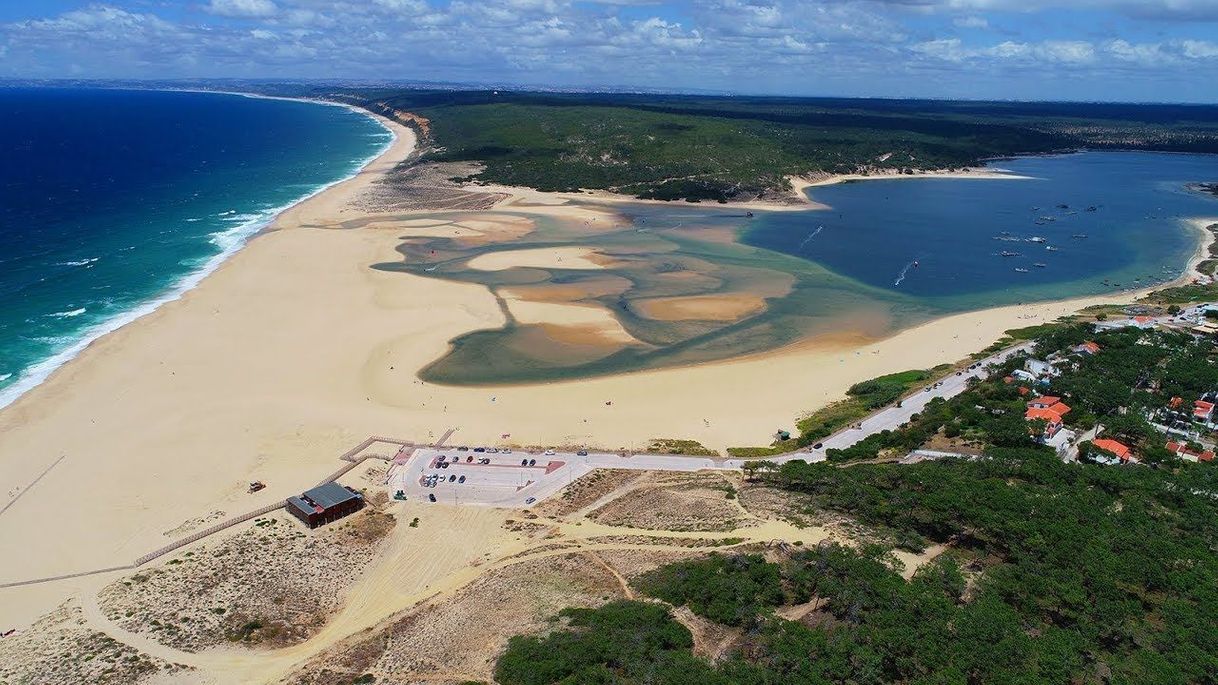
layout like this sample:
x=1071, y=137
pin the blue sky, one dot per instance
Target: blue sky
x=1120, y=50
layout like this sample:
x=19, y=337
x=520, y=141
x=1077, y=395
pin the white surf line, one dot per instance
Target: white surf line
x=34, y=375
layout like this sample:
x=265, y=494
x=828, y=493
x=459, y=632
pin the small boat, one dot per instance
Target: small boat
x=1079, y=236
x=1063, y=206
x=1092, y=208
x=1036, y=239
x=749, y=214
x=915, y=264
x=1040, y=265
x=1021, y=270
x=1046, y=219
x=1008, y=253
x=1052, y=248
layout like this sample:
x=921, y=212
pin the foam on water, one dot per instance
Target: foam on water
x=80, y=262
x=71, y=313
x=228, y=242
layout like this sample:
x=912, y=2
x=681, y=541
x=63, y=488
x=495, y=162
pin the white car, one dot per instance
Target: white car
x=548, y=453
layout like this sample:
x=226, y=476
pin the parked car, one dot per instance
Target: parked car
x=524, y=462
x=469, y=458
x=484, y=460
x=479, y=449
x=532, y=462
x=431, y=497
x=548, y=453
x=492, y=450
x=461, y=479
x=443, y=464
x=452, y=478
x=462, y=449
x=530, y=500
x=582, y=453
x=818, y=445
x=506, y=450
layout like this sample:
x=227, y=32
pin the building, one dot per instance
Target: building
x=1113, y=447
x=1040, y=369
x=1053, y=421
x=1181, y=450
x=1023, y=376
x=324, y=504
x=1203, y=411
x=1088, y=348
x=1050, y=410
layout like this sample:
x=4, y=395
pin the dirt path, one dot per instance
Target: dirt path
x=450, y=548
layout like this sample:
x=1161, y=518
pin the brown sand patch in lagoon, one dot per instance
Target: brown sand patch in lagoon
x=540, y=258
x=582, y=321
x=729, y=307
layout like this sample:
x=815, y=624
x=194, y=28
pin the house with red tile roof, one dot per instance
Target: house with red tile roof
x=1044, y=402
x=1113, y=447
x=1203, y=411
x=1182, y=450
x=1053, y=421
x=1089, y=347
x=1175, y=402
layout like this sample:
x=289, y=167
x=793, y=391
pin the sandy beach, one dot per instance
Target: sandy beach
x=295, y=349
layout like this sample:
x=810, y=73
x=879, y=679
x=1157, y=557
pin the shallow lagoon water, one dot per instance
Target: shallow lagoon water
x=1129, y=205
x=848, y=271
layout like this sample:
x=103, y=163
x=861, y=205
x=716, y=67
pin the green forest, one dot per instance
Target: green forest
x=689, y=147
x=1050, y=572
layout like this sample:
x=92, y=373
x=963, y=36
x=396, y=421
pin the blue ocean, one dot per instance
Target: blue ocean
x=114, y=201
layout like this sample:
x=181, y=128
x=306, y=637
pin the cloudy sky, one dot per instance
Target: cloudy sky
x=1125, y=50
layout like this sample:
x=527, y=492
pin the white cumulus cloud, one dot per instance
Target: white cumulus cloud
x=243, y=8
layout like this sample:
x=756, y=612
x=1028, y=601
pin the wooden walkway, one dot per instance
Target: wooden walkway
x=352, y=456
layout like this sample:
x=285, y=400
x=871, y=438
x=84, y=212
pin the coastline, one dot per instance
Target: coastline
x=794, y=200
x=236, y=239
x=294, y=348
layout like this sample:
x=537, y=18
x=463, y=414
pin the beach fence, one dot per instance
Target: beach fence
x=212, y=530
x=352, y=456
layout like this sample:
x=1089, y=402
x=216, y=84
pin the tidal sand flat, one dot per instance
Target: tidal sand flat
x=867, y=259
x=313, y=336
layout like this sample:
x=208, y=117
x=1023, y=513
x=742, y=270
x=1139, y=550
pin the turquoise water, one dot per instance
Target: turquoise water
x=112, y=202
x=941, y=240
x=887, y=255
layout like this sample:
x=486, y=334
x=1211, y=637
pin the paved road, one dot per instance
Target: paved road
x=893, y=417
x=506, y=482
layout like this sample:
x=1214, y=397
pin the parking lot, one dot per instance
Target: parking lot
x=494, y=477
x=511, y=479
